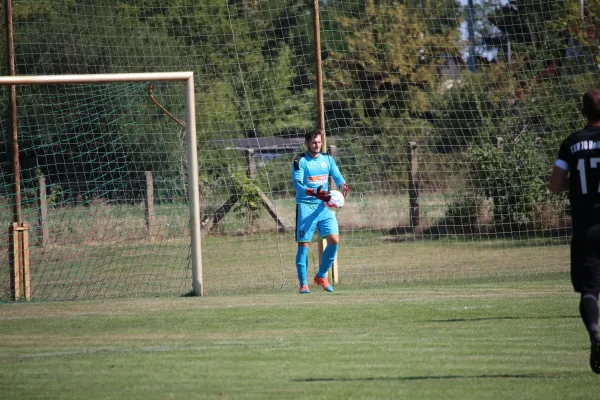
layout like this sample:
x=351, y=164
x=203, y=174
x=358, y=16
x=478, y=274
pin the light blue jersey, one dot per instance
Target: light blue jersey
x=309, y=172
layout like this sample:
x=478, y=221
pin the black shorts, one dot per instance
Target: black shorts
x=585, y=260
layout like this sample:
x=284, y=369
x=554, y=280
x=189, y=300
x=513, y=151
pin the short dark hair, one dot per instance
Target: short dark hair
x=308, y=136
x=590, y=104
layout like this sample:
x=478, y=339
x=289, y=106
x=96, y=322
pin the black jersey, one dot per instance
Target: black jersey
x=579, y=154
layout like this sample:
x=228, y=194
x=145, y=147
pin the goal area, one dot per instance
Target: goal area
x=102, y=192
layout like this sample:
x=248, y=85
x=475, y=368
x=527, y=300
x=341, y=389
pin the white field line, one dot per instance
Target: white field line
x=14, y=313
x=148, y=349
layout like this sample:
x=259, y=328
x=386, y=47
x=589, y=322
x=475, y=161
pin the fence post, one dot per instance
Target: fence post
x=149, y=206
x=250, y=163
x=18, y=254
x=499, y=142
x=413, y=184
x=43, y=212
x=334, y=271
x=332, y=150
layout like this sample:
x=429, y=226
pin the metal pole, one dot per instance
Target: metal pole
x=95, y=78
x=12, y=105
x=471, y=33
x=194, y=194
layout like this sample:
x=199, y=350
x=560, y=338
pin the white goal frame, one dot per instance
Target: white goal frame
x=190, y=122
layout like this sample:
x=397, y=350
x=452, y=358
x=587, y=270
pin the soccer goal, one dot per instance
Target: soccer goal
x=105, y=201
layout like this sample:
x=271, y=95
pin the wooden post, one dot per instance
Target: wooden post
x=209, y=222
x=320, y=249
x=332, y=150
x=14, y=261
x=149, y=206
x=334, y=275
x=25, y=260
x=499, y=143
x=413, y=184
x=250, y=163
x=18, y=254
x=251, y=174
x=43, y=213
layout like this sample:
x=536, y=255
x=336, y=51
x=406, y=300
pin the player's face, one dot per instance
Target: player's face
x=314, y=145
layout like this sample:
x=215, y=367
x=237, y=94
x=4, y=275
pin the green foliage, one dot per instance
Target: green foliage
x=541, y=31
x=513, y=177
x=461, y=111
x=248, y=194
x=462, y=212
x=439, y=15
x=249, y=200
x=219, y=108
x=240, y=50
x=469, y=116
x=373, y=163
x=276, y=175
x=68, y=51
x=553, y=108
x=389, y=61
x=266, y=103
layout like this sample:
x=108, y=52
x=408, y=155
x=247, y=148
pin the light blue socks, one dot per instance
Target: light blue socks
x=302, y=264
x=327, y=259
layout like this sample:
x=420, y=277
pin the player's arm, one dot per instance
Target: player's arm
x=297, y=179
x=559, y=180
x=298, y=175
x=338, y=178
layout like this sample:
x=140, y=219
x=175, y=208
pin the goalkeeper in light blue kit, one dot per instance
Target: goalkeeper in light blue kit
x=310, y=174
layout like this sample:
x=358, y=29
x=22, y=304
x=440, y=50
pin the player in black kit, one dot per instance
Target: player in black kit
x=577, y=169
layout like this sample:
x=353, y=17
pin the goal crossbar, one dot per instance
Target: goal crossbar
x=187, y=77
x=94, y=78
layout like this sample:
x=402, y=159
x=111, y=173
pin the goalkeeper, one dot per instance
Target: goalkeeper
x=310, y=174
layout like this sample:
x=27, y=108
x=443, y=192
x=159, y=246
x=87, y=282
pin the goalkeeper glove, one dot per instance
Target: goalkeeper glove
x=345, y=189
x=319, y=194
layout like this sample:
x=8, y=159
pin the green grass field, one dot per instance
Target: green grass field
x=502, y=340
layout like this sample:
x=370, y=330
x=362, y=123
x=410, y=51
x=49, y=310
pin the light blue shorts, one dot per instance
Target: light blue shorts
x=312, y=216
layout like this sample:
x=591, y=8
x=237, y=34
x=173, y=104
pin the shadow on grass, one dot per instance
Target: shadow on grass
x=498, y=318
x=438, y=377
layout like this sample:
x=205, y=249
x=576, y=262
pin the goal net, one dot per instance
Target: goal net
x=104, y=184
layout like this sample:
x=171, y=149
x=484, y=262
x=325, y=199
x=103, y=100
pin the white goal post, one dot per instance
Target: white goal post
x=188, y=79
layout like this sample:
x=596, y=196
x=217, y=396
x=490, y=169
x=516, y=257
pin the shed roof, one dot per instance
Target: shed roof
x=271, y=143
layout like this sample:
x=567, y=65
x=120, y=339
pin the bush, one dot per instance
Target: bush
x=513, y=177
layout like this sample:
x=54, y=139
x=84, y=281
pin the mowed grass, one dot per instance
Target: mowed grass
x=506, y=340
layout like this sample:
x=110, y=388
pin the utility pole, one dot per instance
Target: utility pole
x=471, y=33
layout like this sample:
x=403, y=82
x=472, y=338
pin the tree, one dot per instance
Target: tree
x=461, y=112
x=542, y=32
x=239, y=45
x=76, y=134
x=389, y=61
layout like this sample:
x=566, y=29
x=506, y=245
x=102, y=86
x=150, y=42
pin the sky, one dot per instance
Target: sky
x=480, y=24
